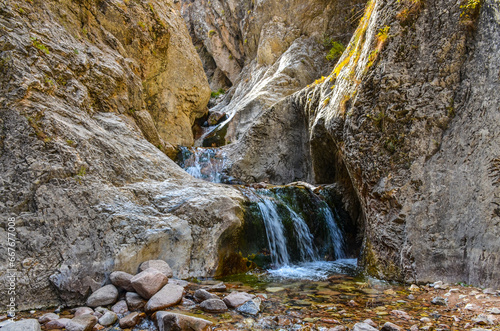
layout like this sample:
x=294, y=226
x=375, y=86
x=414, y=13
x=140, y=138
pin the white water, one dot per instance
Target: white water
x=337, y=239
x=304, y=238
x=315, y=270
x=205, y=163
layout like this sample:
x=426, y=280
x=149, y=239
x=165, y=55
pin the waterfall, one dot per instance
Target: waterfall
x=337, y=239
x=203, y=163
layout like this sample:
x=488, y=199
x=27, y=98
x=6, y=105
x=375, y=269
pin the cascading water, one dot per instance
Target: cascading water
x=294, y=232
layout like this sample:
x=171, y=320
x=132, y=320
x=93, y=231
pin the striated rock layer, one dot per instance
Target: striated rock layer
x=88, y=192
x=407, y=122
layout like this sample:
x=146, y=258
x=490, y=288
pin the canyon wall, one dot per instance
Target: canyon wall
x=91, y=93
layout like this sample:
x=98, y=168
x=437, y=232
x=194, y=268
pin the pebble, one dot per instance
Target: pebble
x=57, y=324
x=438, y=301
x=388, y=326
x=275, y=289
x=202, y=295
x=130, y=320
x=81, y=323
x=425, y=320
x=120, y=307
x=363, y=327
x=251, y=307
x=109, y=318
x=134, y=301
x=495, y=311
x=370, y=322
x=236, y=299
x=45, y=318
x=83, y=311
x=173, y=321
x=411, y=297
x=213, y=306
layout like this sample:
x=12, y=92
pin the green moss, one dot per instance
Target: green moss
x=37, y=44
x=211, y=33
x=215, y=94
x=335, y=51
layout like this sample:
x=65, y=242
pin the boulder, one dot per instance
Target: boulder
x=202, y=295
x=130, y=320
x=109, y=318
x=236, y=299
x=213, y=306
x=81, y=323
x=47, y=318
x=168, y=296
x=120, y=307
x=148, y=282
x=134, y=301
x=23, y=325
x=363, y=327
x=57, y=324
x=167, y=321
x=159, y=265
x=106, y=295
x=121, y=279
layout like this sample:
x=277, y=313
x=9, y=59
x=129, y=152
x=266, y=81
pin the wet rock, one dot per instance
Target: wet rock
x=130, y=320
x=134, y=301
x=83, y=311
x=236, y=299
x=388, y=326
x=202, y=295
x=401, y=314
x=220, y=287
x=168, y=296
x=251, y=307
x=120, y=307
x=172, y=321
x=187, y=302
x=47, y=318
x=109, y=318
x=483, y=319
x=148, y=282
x=121, y=279
x=81, y=323
x=438, y=301
x=57, y=324
x=215, y=117
x=106, y=295
x=363, y=327
x=159, y=265
x=23, y=325
x=213, y=306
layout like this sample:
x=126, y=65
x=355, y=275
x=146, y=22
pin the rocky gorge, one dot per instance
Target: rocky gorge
x=378, y=117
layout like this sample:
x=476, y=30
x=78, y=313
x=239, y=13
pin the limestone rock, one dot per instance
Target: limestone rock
x=148, y=282
x=47, y=318
x=121, y=280
x=120, y=307
x=130, y=320
x=202, y=295
x=172, y=321
x=213, y=306
x=106, y=295
x=159, y=265
x=83, y=311
x=81, y=323
x=251, y=307
x=23, y=325
x=134, y=301
x=109, y=318
x=57, y=324
x=363, y=327
x=236, y=299
x=169, y=295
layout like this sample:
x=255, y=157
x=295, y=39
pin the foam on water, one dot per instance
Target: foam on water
x=316, y=270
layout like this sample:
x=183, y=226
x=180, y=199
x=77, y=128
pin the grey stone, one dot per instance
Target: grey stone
x=202, y=295
x=388, y=326
x=363, y=327
x=121, y=280
x=220, y=287
x=438, y=301
x=120, y=307
x=134, y=301
x=83, y=311
x=370, y=322
x=23, y=325
x=236, y=299
x=159, y=265
x=251, y=307
x=81, y=323
x=179, y=282
x=47, y=318
x=167, y=321
x=109, y=318
x=106, y=295
x=168, y=296
x=148, y=282
x=213, y=306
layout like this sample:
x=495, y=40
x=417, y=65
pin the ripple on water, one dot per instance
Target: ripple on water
x=316, y=270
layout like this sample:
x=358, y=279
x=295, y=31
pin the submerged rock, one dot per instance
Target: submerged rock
x=172, y=321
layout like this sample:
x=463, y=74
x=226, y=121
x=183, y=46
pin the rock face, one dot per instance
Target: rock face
x=91, y=193
x=401, y=128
